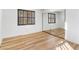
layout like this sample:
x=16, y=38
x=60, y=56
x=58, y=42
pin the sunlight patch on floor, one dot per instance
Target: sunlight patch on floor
x=64, y=46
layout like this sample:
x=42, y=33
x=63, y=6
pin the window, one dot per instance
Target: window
x=26, y=17
x=51, y=18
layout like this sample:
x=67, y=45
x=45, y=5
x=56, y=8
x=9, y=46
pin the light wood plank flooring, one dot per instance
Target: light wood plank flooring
x=35, y=41
x=59, y=32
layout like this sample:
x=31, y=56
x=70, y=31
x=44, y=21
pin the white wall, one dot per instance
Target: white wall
x=59, y=21
x=72, y=25
x=10, y=27
x=0, y=25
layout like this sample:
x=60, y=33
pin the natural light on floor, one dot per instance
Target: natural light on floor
x=64, y=46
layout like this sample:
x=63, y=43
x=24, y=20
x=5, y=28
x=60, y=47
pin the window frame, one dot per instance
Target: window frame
x=54, y=19
x=32, y=21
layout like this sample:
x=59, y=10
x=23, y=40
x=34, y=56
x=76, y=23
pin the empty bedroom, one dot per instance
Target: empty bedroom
x=38, y=29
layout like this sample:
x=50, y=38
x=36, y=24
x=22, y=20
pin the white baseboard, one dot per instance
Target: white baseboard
x=72, y=41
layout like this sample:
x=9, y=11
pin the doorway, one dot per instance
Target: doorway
x=53, y=22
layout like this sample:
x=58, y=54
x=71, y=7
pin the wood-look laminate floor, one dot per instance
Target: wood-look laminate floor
x=59, y=32
x=35, y=41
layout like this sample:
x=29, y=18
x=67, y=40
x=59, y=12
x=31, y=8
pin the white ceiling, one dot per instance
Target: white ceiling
x=51, y=10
